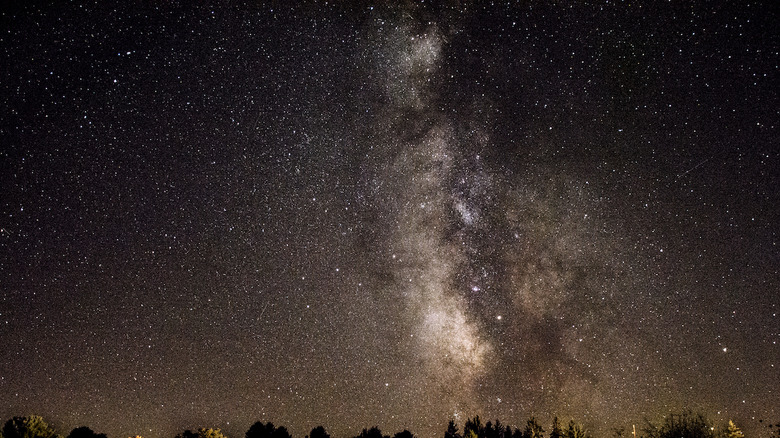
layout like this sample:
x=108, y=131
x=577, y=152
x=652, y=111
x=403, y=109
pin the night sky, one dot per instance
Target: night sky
x=359, y=215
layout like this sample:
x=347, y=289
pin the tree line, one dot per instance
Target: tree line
x=683, y=425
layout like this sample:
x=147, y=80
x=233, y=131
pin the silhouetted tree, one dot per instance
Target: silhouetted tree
x=683, y=425
x=452, y=430
x=493, y=430
x=499, y=429
x=266, y=430
x=404, y=434
x=576, y=431
x=489, y=431
x=507, y=432
x=318, y=432
x=473, y=428
x=187, y=434
x=281, y=432
x=533, y=429
x=374, y=432
x=32, y=426
x=85, y=432
x=556, y=431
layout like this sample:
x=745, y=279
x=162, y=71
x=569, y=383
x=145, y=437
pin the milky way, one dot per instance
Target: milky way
x=416, y=185
x=493, y=268
x=356, y=215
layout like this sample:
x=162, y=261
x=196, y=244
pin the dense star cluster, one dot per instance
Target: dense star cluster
x=391, y=214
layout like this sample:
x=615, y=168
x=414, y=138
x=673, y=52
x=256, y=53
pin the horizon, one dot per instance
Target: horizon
x=626, y=430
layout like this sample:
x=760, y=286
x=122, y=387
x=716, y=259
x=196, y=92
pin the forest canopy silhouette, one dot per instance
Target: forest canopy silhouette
x=685, y=424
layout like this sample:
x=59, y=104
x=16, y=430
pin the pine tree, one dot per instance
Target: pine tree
x=533, y=429
x=733, y=431
x=473, y=427
x=488, y=431
x=556, y=431
x=576, y=431
x=683, y=425
x=452, y=430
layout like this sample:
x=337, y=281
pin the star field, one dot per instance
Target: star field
x=366, y=214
